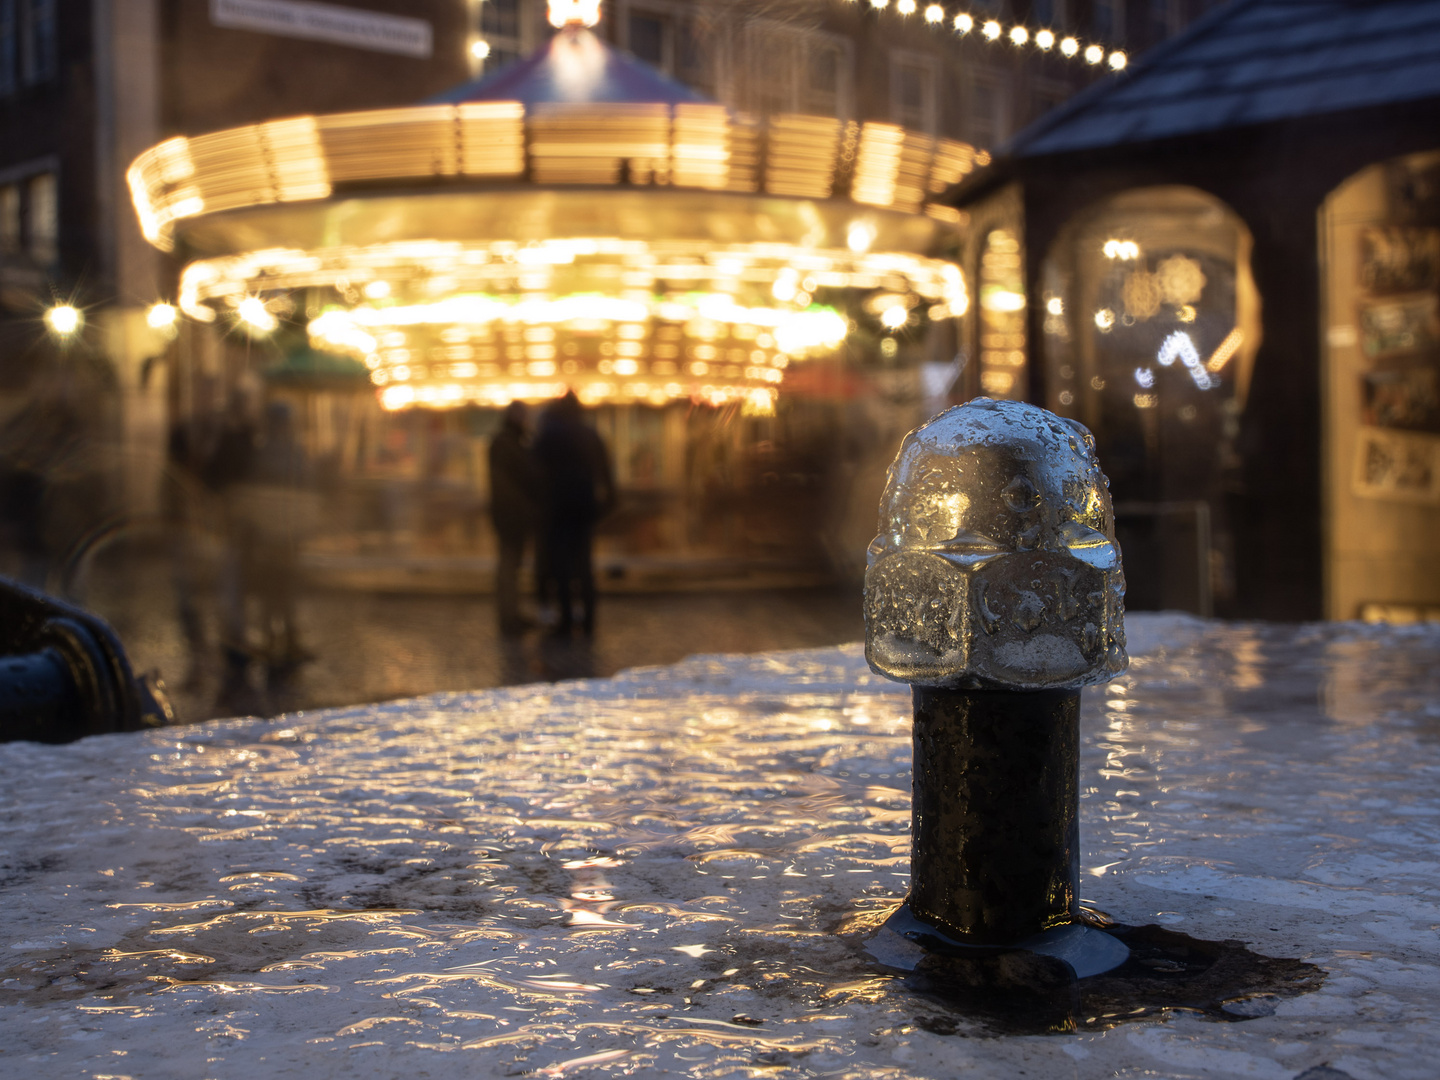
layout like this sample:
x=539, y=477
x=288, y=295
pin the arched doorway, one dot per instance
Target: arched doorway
x=1148, y=335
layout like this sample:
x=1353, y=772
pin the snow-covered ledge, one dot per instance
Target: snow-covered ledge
x=643, y=875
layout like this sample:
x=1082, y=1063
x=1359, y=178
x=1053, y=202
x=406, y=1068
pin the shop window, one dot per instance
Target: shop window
x=912, y=91
x=1151, y=321
x=505, y=26
x=1380, y=341
x=1002, y=317
x=792, y=70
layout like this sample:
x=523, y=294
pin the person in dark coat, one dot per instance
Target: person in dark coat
x=514, y=479
x=579, y=490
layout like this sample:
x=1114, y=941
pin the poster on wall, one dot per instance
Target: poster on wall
x=1399, y=466
x=1399, y=259
x=1400, y=326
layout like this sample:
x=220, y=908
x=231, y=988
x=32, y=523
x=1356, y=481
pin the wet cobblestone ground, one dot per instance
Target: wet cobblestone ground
x=378, y=647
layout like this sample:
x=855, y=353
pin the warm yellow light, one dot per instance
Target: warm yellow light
x=878, y=4
x=991, y=30
x=1104, y=318
x=1124, y=250
x=1055, y=306
x=377, y=290
x=480, y=49
x=1225, y=350
x=1045, y=39
x=964, y=23
x=1069, y=46
x=161, y=316
x=1186, y=313
x=859, y=236
x=254, y=314
x=570, y=12
x=905, y=7
x=64, y=319
x=934, y=13
x=1094, y=54
x=1019, y=35
x=893, y=318
x=1002, y=300
x=1117, y=61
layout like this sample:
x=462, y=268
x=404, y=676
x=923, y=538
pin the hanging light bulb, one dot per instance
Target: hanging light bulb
x=64, y=319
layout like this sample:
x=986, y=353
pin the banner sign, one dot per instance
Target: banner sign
x=327, y=22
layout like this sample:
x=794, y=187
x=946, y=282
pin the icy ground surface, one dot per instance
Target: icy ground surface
x=640, y=875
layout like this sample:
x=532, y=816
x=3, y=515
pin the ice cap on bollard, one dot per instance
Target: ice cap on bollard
x=996, y=564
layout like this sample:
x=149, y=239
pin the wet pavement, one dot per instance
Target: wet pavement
x=371, y=646
x=675, y=872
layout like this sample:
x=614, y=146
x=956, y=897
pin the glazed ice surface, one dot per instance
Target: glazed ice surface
x=620, y=877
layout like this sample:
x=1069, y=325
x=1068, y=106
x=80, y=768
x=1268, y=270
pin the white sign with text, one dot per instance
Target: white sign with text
x=327, y=22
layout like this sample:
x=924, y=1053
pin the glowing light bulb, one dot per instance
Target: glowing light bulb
x=377, y=290
x=1069, y=46
x=1117, y=61
x=860, y=236
x=1104, y=318
x=1045, y=39
x=480, y=48
x=905, y=7
x=568, y=12
x=893, y=318
x=878, y=4
x=1019, y=35
x=253, y=313
x=964, y=23
x=991, y=30
x=1055, y=306
x=934, y=14
x=63, y=319
x=1094, y=54
x=160, y=316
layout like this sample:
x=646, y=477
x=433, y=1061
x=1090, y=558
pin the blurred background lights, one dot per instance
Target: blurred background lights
x=905, y=7
x=63, y=319
x=1045, y=39
x=991, y=30
x=894, y=317
x=1125, y=250
x=1094, y=54
x=1104, y=318
x=480, y=49
x=1069, y=46
x=860, y=236
x=934, y=13
x=1117, y=60
x=565, y=12
x=1145, y=377
x=1019, y=35
x=1055, y=306
x=161, y=316
x=964, y=23
x=878, y=4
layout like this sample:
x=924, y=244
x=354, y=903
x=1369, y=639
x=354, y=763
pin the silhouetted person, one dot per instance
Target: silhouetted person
x=514, y=480
x=579, y=490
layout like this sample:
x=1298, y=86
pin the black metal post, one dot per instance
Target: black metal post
x=995, y=854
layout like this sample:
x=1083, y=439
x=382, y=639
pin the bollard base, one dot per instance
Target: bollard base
x=904, y=941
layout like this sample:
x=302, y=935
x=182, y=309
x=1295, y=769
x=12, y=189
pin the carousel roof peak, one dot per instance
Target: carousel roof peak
x=575, y=66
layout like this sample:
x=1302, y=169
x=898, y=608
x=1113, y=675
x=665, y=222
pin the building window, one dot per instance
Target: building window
x=37, y=40
x=1110, y=21
x=44, y=219
x=504, y=27
x=651, y=38
x=989, y=109
x=797, y=71
x=912, y=91
x=9, y=48
x=10, y=236
x=1164, y=19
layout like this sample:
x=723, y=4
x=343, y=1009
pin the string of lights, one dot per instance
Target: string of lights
x=1019, y=36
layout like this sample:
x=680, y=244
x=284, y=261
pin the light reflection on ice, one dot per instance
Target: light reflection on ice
x=643, y=876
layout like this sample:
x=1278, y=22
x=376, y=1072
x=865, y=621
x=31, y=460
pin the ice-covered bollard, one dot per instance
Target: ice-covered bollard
x=995, y=589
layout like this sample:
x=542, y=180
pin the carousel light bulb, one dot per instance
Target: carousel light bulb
x=991, y=30
x=160, y=316
x=1019, y=35
x=934, y=14
x=878, y=4
x=1094, y=54
x=905, y=7
x=571, y=12
x=480, y=49
x=1069, y=46
x=859, y=236
x=894, y=317
x=256, y=315
x=964, y=23
x=63, y=319
x=1045, y=39
x=1117, y=61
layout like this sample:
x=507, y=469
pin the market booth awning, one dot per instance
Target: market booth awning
x=575, y=220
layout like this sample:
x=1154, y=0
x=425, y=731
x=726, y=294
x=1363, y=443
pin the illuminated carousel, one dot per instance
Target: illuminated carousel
x=575, y=220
